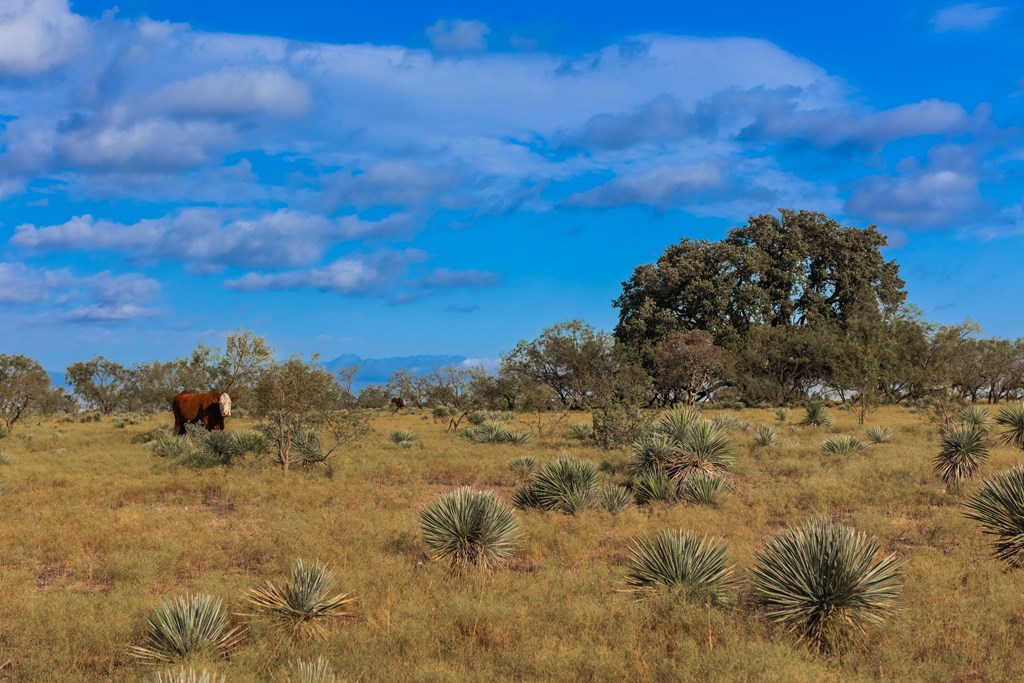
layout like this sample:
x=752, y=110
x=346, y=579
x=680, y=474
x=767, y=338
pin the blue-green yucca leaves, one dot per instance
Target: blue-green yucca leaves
x=167, y=446
x=306, y=602
x=1011, y=418
x=685, y=561
x=581, y=431
x=878, y=434
x=614, y=498
x=318, y=670
x=652, y=486
x=820, y=580
x=816, y=415
x=399, y=435
x=999, y=506
x=963, y=451
x=190, y=675
x=567, y=484
x=187, y=626
x=706, y=450
x=468, y=528
x=765, y=436
x=522, y=466
x=844, y=444
x=704, y=489
x=676, y=424
x=649, y=452
x=976, y=416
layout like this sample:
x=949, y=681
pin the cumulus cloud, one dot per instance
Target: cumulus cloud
x=663, y=187
x=38, y=35
x=100, y=297
x=234, y=91
x=970, y=16
x=372, y=275
x=458, y=35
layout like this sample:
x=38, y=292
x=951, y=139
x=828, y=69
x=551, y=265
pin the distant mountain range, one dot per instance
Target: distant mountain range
x=377, y=370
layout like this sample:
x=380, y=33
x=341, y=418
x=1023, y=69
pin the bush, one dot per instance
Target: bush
x=694, y=565
x=251, y=443
x=1011, y=418
x=999, y=506
x=617, y=423
x=519, y=438
x=963, y=451
x=614, y=498
x=316, y=671
x=844, y=445
x=650, y=452
x=567, y=485
x=489, y=431
x=820, y=580
x=581, y=431
x=167, y=446
x=705, y=450
x=653, y=485
x=878, y=435
x=184, y=675
x=704, y=489
x=816, y=415
x=765, y=436
x=193, y=625
x=306, y=603
x=522, y=466
x=468, y=528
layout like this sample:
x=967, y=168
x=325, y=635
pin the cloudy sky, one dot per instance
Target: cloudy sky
x=394, y=179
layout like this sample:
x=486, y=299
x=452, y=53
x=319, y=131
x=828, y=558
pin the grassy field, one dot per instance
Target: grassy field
x=96, y=531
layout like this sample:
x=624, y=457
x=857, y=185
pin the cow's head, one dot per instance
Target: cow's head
x=225, y=405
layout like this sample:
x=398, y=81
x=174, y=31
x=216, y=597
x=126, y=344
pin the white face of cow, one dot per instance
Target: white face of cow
x=225, y=405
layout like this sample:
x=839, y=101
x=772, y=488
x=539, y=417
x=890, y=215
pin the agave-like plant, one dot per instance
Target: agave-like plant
x=1011, y=419
x=706, y=450
x=704, y=489
x=566, y=484
x=878, y=435
x=192, y=625
x=614, y=498
x=581, y=431
x=523, y=497
x=844, y=444
x=652, y=486
x=318, y=670
x=816, y=415
x=820, y=580
x=255, y=443
x=306, y=602
x=977, y=417
x=676, y=424
x=189, y=675
x=999, y=506
x=518, y=438
x=650, y=452
x=782, y=414
x=468, y=528
x=765, y=436
x=963, y=451
x=522, y=466
x=695, y=565
x=476, y=418
x=400, y=437
x=168, y=446
x=731, y=423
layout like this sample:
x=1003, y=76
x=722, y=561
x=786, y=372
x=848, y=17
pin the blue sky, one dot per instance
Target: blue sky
x=402, y=178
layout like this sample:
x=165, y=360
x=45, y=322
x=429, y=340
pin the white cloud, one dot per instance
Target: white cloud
x=969, y=16
x=458, y=35
x=368, y=276
x=100, y=297
x=234, y=91
x=37, y=35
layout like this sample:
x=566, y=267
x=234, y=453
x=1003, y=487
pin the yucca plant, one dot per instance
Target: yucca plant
x=963, y=451
x=518, y=438
x=1011, y=419
x=468, y=528
x=318, y=670
x=765, y=436
x=782, y=414
x=653, y=486
x=704, y=489
x=614, y=498
x=999, y=506
x=650, y=452
x=816, y=415
x=820, y=580
x=705, y=450
x=581, y=431
x=402, y=438
x=167, y=446
x=676, y=424
x=441, y=413
x=566, y=484
x=488, y=431
x=476, y=418
x=306, y=603
x=878, y=434
x=694, y=565
x=189, y=675
x=976, y=417
x=251, y=443
x=192, y=625
x=731, y=423
x=844, y=444
x=5, y=458
x=523, y=497
x=522, y=466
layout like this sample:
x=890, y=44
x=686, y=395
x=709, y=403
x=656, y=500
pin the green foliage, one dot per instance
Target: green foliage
x=653, y=485
x=650, y=452
x=468, y=528
x=844, y=444
x=581, y=431
x=318, y=670
x=614, y=498
x=522, y=466
x=618, y=422
x=819, y=580
x=694, y=565
x=704, y=489
x=189, y=675
x=192, y=625
x=765, y=436
x=878, y=435
x=1011, y=419
x=676, y=424
x=782, y=414
x=24, y=384
x=306, y=603
x=731, y=423
x=524, y=497
x=402, y=438
x=169, y=446
x=441, y=413
x=999, y=506
x=816, y=415
x=250, y=443
x=977, y=417
x=488, y=431
x=476, y=418
x=705, y=450
x=963, y=451
x=566, y=484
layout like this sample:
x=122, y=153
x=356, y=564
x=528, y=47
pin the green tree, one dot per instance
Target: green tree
x=23, y=382
x=99, y=383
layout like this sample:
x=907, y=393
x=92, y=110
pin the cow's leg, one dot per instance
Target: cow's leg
x=179, y=427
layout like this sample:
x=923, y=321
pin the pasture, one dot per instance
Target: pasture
x=96, y=531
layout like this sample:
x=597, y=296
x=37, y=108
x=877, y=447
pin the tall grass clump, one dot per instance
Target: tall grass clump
x=730, y=423
x=878, y=435
x=963, y=451
x=999, y=506
x=189, y=675
x=565, y=485
x=5, y=458
x=307, y=603
x=820, y=580
x=976, y=417
x=704, y=489
x=468, y=528
x=1011, y=419
x=168, y=446
x=694, y=565
x=782, y=414
x=614, y=498
x=816, y=415
x=402, y=438
x=522, y=466
x=844, y=444
x=192, y=625
x=765, y=436
x=581, y=431
x=318, y=670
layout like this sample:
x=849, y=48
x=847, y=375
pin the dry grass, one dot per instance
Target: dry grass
x=96, y=531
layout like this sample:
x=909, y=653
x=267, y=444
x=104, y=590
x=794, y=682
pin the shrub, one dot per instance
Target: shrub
x=976, y=417
x=704, y=489
x=581, y=431
x=167, y=446
x=193, y=625
x=765, y=436
x=694, y=565
x=251, y=443
x=782, y=414
x=442, y=413
x=468, y=528
x=999, y=506
x=653, y=485
x=402, y=438
x=705, y=450
x=844, y=444
x=184, y=675
x=315, y=671
x=489, y=431
x=820, y=580
x=522, y=466
x=1011, y=418
x=614, y=498
x=307, y=602
x=617, y=423
x=878, y=434
x=963, y=451
x=816, y=415
x=566, y=485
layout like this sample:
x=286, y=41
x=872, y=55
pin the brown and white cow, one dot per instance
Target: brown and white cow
x=207, y=409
